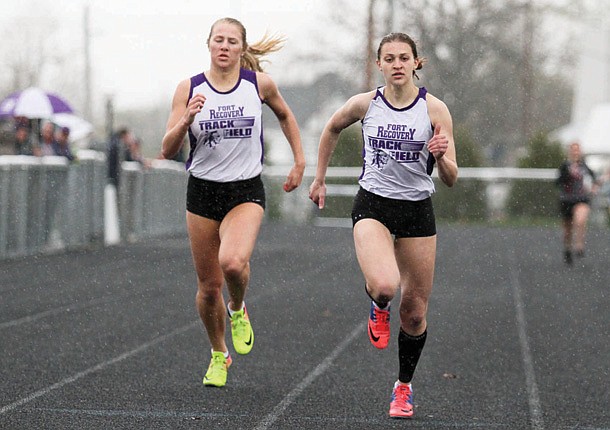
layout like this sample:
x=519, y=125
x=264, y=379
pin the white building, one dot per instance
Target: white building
x=590, y=119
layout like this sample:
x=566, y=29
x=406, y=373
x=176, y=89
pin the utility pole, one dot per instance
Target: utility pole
x=370, y=56
x=87, y=34
x=527, y=72
x=390, y=22
x=109, y=117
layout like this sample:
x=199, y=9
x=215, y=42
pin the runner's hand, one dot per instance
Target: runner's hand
x=193, y=107
x=294, y=179
x=317, y=193
x=438, y=144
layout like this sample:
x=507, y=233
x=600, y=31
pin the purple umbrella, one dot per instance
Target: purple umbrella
x=33, y=103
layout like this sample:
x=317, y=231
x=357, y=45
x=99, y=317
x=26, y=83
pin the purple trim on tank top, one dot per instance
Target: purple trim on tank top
x=224, y=92
x=421, y=94
x=250, y=76
x=192, y=144
x=363, y=154
x=262, y=146
x=195, y=82
x=245, y=74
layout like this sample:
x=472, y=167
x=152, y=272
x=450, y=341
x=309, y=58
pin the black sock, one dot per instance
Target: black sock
x=409, y=351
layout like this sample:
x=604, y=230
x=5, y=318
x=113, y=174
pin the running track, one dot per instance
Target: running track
x=109, y=338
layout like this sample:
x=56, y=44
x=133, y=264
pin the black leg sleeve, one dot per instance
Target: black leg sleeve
x=409, y=351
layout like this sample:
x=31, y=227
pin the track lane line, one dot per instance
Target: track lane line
x=59, y=310
x=96, y=368
x=533, y=396
x=309, y=379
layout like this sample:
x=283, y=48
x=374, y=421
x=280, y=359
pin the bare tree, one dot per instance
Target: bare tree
x=486, y=61
x=369, y=51
x=32, y=54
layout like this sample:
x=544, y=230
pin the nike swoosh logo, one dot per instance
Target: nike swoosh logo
x=249, y=340
x=375, y=338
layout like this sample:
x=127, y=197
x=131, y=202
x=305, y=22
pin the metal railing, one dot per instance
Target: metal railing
x=482, y=194
x=48, y=204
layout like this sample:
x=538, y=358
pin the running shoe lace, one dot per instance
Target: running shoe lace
x=218, y=362
x=240, y=324
x=381, y=316
x=403, y=396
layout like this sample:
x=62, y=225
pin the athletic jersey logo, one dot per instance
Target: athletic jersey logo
x=209, y=139
x=380, y=159
x=227, y=122
x=396, y=159
x=396, y=140
x=226, y=138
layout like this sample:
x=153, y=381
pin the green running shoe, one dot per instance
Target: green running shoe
x=216, y=376
x=241, y=331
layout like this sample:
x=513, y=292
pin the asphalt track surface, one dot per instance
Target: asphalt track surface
x=110, y=339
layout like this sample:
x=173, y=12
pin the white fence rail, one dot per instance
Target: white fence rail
x=48, y=204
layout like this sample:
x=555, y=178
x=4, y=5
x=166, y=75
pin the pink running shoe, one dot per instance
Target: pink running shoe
x=401, y=405
x=379, y=326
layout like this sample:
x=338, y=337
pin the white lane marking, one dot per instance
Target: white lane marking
x=95, y=368
x=528, y=362
x=203, y=416
x=307, y=381
x=56, y=311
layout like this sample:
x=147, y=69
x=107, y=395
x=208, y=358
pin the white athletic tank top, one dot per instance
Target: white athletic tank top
x=396, y=161
x=226, y=137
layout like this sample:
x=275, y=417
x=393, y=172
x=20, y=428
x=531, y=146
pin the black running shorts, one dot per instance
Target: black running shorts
x=214, y=200
x=404, y=218
x=566, y=207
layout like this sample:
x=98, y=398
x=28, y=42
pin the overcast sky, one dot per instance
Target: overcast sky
x=141, y=49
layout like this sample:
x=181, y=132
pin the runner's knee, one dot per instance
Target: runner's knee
x=208, y=299
x=382, y=291
x=233, y=266
x=414, y=323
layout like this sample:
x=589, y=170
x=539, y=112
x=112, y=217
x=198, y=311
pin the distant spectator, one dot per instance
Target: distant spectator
x=133, y=151
x=116, y=154
x=62, y=146
x=577, y=184
x=23, y=142
x=47, y=139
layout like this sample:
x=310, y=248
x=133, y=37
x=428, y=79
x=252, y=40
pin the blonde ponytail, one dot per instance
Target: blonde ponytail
x=252, y=57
